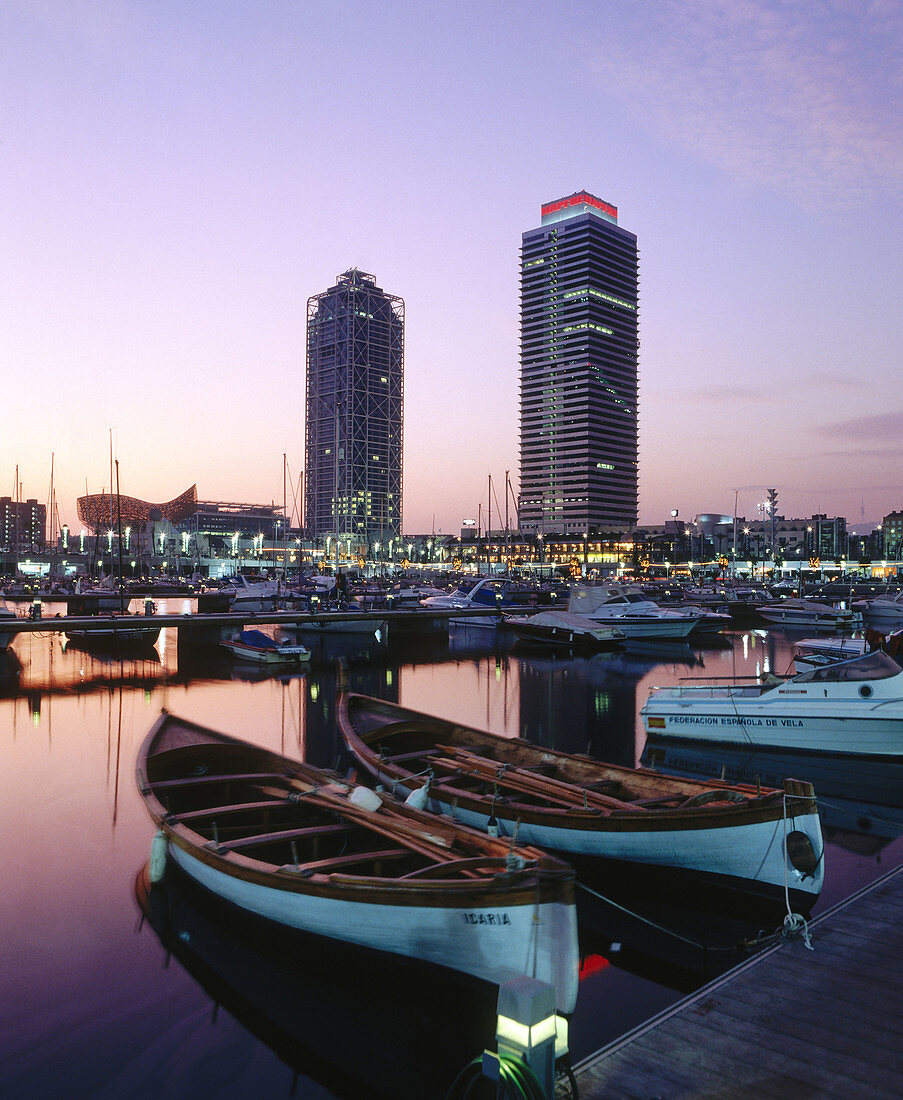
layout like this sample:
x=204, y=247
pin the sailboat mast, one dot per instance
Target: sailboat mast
x=284, y=517
x=50, y=503
x=119, y=533
x=111, y=487
x=489, y=528
x=507, y=547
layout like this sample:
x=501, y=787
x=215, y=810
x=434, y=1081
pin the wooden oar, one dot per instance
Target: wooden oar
x=433, y=845
x=510, y=774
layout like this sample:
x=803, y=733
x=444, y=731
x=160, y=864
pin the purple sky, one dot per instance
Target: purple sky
x=178, y=178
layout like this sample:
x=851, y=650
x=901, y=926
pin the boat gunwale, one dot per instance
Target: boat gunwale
x=766, y=805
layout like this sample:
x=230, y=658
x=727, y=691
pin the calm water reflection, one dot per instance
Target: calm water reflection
x=88, y=1004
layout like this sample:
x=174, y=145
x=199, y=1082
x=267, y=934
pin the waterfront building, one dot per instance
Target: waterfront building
x=354, y=415
x=23, y=525
x=892, y=535
x=183, y=527
x=105, y=511
x=578, y=377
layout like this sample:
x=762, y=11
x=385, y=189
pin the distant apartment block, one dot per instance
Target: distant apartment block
x=23, y=524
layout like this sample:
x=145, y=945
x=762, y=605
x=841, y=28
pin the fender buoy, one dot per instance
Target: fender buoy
x=158, y=856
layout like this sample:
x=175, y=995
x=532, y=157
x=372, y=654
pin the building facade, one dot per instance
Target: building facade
x=23, y=524
x=891, y=537
x=579, y=364
x=354, y=413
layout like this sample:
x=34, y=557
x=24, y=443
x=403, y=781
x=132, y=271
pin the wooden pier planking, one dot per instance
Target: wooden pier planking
x=788, y=1023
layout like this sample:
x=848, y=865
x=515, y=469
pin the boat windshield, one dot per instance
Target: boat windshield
x=871, y=666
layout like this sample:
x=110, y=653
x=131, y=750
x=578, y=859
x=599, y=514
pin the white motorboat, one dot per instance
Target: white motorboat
x=883, y=613
x=710, y=621
x=246, y=595
x=631, y=612
x=345, y=618
x=809, y=653
x=812, y=653
x=809, y=615
x=852, y=707
x=487, y=593
x=561, y=628
x=260, y=649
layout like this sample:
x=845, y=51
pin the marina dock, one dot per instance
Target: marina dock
x=210, y=626
x=789, y=1022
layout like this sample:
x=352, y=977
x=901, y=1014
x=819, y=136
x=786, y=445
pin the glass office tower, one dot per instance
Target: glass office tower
x=578, y=395
x=354, y=406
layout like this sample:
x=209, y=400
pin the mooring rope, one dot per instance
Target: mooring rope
x=795, y=925
x=652, y=923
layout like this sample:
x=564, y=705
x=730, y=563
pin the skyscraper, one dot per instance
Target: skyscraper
x=578, y=397
x=355, y=391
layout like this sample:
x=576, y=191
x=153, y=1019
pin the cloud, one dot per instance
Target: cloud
x=734, y=395
x=804, y=96
x=864, y=452
x=877, y=428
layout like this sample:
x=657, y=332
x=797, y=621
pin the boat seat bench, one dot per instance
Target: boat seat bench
x=201, y=780
x=274, y=838
x=352, y=858
x=222, y=811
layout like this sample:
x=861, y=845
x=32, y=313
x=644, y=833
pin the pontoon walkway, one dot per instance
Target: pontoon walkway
x=788, y=1023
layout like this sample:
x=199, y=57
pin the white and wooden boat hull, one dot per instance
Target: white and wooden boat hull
x=752, y=853
x=495, y=944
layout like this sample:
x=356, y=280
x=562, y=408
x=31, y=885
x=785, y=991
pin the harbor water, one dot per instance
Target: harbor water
x=106, y=992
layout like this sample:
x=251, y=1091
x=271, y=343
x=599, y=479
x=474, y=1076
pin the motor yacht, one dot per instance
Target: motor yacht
x=633, y=613
x=487, y=593
x=247, y=595
x=883, y=613
x=853, y=707
x=809, y=614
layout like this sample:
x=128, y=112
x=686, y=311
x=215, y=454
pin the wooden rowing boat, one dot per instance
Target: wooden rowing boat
x=299, y=846
x=741, y=836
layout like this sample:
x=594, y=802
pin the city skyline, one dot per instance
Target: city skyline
x=180, y=181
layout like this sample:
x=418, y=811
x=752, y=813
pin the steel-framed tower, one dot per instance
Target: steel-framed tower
x=578, y=382
x=354, y=413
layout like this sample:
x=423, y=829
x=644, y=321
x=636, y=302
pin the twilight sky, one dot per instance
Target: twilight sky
x=177, y=178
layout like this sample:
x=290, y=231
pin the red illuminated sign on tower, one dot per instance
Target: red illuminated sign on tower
x=582, y=198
